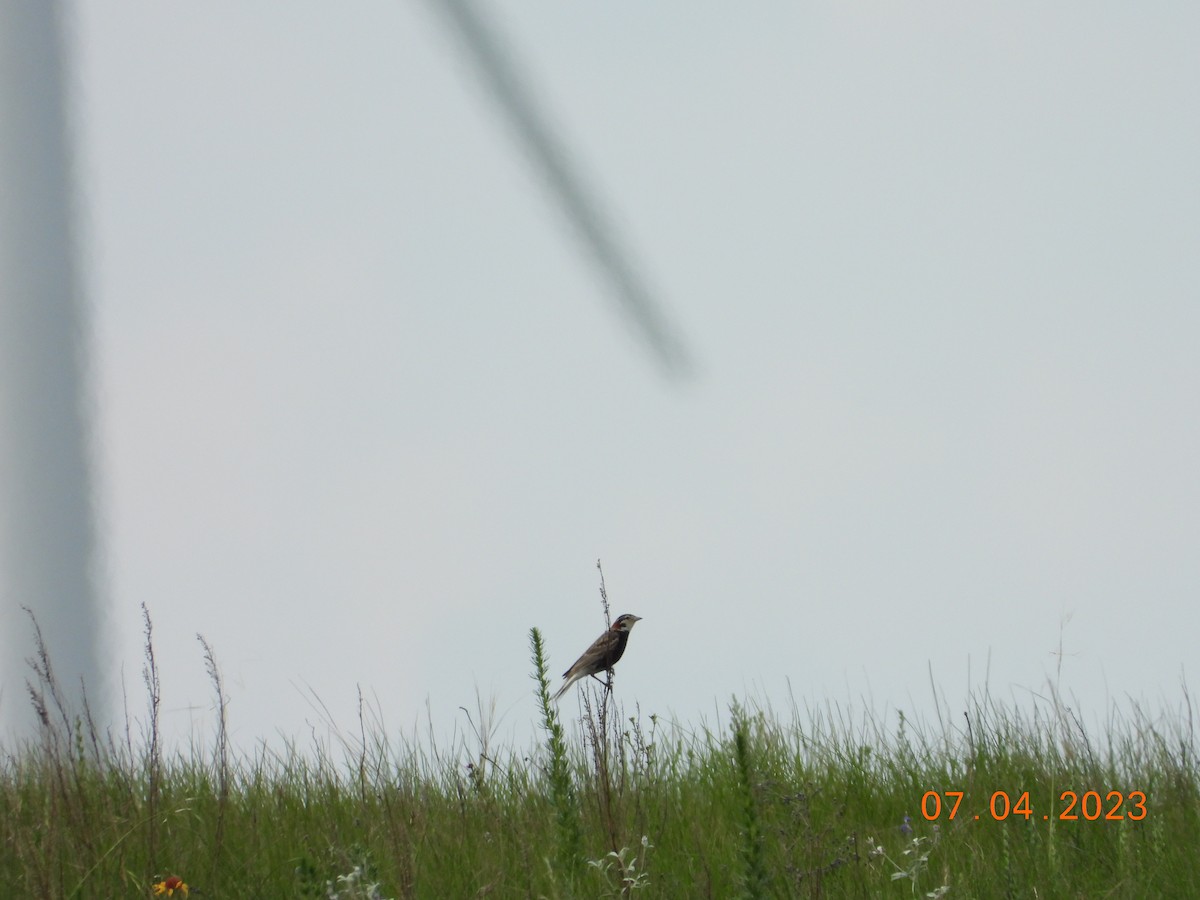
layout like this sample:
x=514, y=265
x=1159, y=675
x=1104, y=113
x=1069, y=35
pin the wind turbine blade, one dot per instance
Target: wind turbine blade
x=551, y=157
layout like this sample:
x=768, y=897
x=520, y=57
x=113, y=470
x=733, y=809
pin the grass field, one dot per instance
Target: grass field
x=611, y=803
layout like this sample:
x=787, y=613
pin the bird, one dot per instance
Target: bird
x=602, y=655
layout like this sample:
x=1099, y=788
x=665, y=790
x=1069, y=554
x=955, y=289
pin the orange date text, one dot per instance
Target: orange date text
x=1092, y=806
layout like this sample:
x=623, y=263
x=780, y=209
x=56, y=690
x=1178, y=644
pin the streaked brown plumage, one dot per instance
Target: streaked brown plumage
x=602, y=655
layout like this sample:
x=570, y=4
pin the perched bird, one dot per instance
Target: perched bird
x=602, y=655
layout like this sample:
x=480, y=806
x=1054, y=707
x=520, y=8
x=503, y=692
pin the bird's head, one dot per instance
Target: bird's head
x=625, y=622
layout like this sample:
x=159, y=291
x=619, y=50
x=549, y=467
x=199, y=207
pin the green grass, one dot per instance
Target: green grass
x=807, y=804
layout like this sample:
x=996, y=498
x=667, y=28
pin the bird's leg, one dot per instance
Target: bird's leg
x=607, y=683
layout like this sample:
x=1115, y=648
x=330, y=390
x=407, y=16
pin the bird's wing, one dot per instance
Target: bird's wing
x=591, y=662
x=592, y=655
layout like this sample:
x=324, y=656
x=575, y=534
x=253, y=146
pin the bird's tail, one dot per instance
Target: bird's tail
x=562, y=690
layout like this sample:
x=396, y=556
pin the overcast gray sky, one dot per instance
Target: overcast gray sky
x=366, y=413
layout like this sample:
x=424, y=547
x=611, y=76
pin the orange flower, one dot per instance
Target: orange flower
x=170, y=885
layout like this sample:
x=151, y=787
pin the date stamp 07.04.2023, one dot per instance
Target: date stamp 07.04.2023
x=1090, y=806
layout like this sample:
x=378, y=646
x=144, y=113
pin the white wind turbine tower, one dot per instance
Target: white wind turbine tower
x=47, y=538
x=47, y=532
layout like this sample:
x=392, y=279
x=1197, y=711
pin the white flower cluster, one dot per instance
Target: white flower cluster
x=353, y=886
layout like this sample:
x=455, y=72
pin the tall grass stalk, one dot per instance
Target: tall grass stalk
x=220, y=764
x=153, y=758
